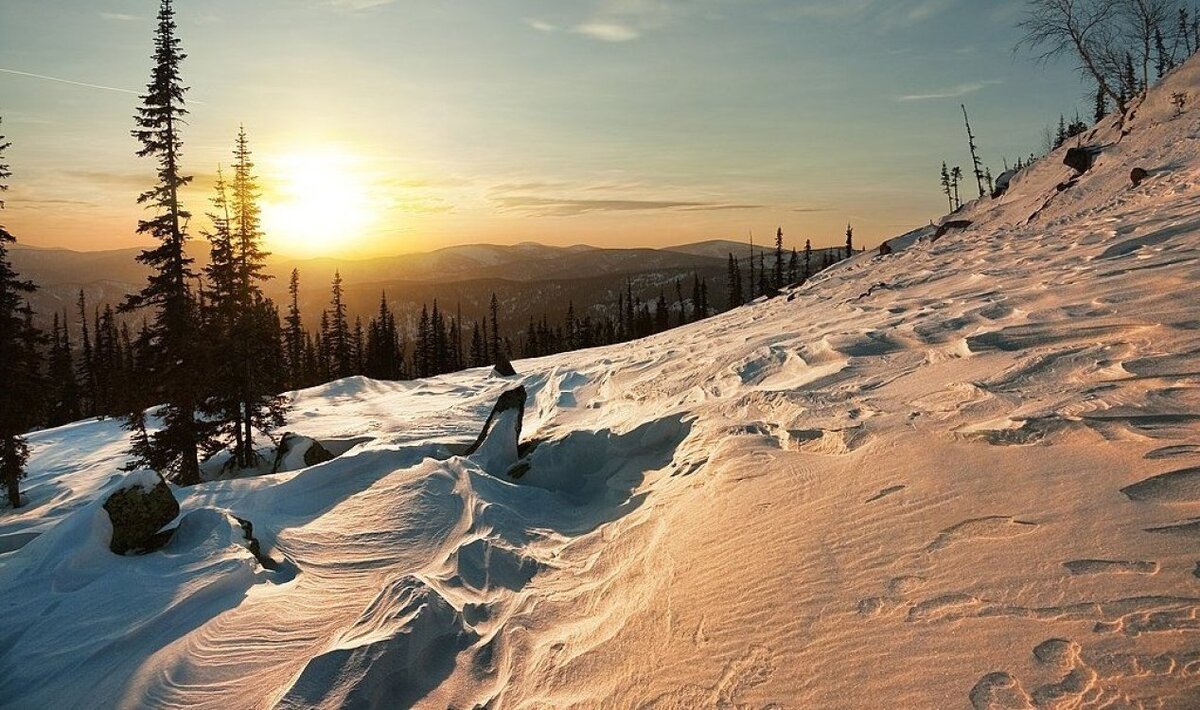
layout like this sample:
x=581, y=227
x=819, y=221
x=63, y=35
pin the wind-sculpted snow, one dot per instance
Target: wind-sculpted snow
x=960, y=475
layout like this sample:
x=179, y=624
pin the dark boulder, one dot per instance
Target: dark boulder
x=138, y=512
x=254, y=547
x=513, y=399
x=503, y=367
x=1080, y=160
x=1002, y=183
x=1137, y=176
x=885, y=249
x=294, y=449
x=945, y=227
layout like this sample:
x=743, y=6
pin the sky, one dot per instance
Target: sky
x=391, y=126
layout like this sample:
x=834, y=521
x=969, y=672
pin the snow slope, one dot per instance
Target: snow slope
x=964, y=475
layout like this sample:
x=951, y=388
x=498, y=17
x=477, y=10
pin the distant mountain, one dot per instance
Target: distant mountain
x=533, y=278
x=722, y=248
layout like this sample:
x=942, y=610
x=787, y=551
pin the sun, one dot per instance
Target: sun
x=317, y=202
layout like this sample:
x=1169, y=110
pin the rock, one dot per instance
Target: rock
x=503, y=367
x=885, y=249
x=254, y=547
x=139, y=511
x=498, y=444
x=945, y=227
x=1003, y=182
x=1080, y=159
x=296, y=452
x=1137, y=175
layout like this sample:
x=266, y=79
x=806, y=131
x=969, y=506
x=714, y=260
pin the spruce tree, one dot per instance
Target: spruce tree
x=1101, y=106
x=733, y=284
x=19, y=360
x=977, y=165
x=779, y=258
x=794, y=266
x=497, y=347
x=849, y=241
x=63, y=387
x=87, y=372
x=946, y=186
x=293, y=335
x=173, y=368
x=339, y=331
x=807, y=259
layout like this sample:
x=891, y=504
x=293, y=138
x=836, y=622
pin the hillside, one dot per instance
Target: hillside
x=963, y=475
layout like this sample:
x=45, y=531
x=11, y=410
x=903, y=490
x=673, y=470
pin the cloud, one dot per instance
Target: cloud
x=355, y=5
x=953, y=92
x=608, y=31
x=119, y=17
x=541, y=25
x=567, y=207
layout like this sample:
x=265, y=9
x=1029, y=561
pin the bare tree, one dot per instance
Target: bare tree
x=1144, y=19
x=1085, y=29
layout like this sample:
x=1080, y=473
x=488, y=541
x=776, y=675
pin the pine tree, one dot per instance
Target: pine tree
x=174, y=367
x=1164, y=62
x=977, y=165
x=19, y=366
x=293, y=335
x=63, y=387
x=1061, y=136
x=87, y=372
x=946, y=187
x=422, y=352
x=479, y=356
x=849, y=241
x=807, y=259
x=764, y=287
x=1129, y=77
x=494, y=309
x=1183, y=34
x=339, y=331
x=1101, y=108
x=794, y=267
x=956, y=177
x=734, y=283
x=779, y=258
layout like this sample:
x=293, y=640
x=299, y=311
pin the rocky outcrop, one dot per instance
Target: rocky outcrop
x=1002, y=183
x=296, y=452
x=1138, y=175
x=503, y=367
x=1080, y=160
x=512, y=400
x=946, y=227
x=139, y=511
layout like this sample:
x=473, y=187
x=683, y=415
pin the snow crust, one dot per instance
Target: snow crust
x=963, y=475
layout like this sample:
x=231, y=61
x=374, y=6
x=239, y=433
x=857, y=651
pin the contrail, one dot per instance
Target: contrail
x=67, y=81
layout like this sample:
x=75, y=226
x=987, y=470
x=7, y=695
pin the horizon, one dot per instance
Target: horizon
x=404, y=129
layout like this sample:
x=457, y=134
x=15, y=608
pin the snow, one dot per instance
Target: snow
x=963, y=474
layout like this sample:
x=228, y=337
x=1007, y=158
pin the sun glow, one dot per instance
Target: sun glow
x=317, y=202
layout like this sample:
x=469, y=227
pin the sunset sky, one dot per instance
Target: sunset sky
x=382, y=127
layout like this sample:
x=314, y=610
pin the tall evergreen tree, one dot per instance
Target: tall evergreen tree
x=19, y=360
x=174, y=368
x=339, y=330
x=794, y=267
x=734, y=283
x=849, y=241
x=946, y=186
x=293, y=335
x=87, y=372
x=62, y=385
x=779, y=258
x=807, y=259
x=497, y=346
x=1101, y=106
x=977, y=165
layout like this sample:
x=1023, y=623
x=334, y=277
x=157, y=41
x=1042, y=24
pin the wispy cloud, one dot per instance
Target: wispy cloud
x=608, y=31
x=72, y=82
x=119, y=17
x=355, y=5
x=569, y=207
x=953, y=92
x=541, y=25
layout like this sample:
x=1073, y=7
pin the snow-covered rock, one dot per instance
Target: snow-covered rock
x=140, y=508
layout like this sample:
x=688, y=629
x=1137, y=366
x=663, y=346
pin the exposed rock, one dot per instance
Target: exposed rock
x=254, y=547
x=138, y=512
x=1080, y=160
x=1064, y=186
x=503, y=367
x=1003, y=182
x=885, y=249
x=504, y=443
x=1137, y=175
x=295, y=452
x=945, y=227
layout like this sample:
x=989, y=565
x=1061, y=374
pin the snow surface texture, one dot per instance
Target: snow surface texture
x=964, y=475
